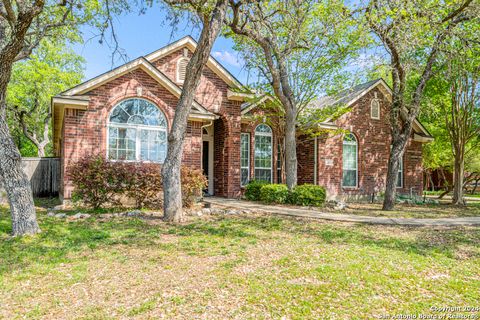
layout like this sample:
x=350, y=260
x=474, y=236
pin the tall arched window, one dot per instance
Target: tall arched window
x=263, y=153
x=137, y=130
x=350, y=161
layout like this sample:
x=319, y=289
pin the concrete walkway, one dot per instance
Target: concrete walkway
x=259, y=207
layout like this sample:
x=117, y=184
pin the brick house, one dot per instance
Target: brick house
x=125, y=114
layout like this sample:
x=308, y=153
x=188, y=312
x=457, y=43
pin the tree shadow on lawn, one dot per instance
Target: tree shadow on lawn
x=61, y=240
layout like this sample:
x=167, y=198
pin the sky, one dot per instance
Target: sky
x=139, y=35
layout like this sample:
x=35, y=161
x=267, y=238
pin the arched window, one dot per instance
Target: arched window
x=263, y=153
x=375, y=109
x=181, y=69
x=137, y=130
x=350, y=161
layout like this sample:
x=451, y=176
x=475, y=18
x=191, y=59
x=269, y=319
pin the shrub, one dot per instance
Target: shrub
x=274, y=193
x=193, y=182
x=252, y=190
x=96, y=181
x=308, y=195
x=99, y=182
x=143, y=183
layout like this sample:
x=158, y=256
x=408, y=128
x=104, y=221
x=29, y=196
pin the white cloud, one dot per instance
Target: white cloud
x=228, y=57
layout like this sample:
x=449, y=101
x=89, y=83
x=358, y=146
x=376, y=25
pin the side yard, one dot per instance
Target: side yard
x=240, y=267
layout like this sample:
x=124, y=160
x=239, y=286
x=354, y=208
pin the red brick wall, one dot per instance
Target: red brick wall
x=84, y=131
x=373, y=137
x=306, y=160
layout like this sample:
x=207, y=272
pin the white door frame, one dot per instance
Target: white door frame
x=209, y=138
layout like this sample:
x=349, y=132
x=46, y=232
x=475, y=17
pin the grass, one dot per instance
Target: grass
x=412, y=211
x=236, y=267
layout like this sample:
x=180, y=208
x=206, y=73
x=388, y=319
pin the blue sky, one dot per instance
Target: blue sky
x=141, y=34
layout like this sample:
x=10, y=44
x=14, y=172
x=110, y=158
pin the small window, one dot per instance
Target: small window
x=263, y=153
x=182, y=69
x=400, y=174
x=244, y=159
x=375, y=109
x=350, y=161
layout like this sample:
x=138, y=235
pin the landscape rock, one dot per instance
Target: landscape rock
x=60, y=215
x=232, y=212
x=51, y=214
x=81, y=215
x=206, y=211
x=336, y=205
x=134, y=213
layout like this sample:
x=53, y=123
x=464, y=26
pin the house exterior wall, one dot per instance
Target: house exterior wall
x=84, y=132
x=373, y=138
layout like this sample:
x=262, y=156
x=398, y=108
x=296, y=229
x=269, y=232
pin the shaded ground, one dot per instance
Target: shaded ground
x=234, y=267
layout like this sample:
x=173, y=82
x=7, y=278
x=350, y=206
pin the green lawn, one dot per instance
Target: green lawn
x=443, y=210
x=255, y=267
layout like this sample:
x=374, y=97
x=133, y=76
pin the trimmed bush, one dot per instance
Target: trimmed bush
x=143, y=183
x=252, y=190
x=98, y=183
x=193, y=183
x=274, y=193
x=308, y=195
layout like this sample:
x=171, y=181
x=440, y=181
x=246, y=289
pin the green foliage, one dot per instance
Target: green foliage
x=308, y=195
x=274, y=193
x=313, y=44
x=252, y=189
x=100, y=183
x=51, y=69
x=193, y=182
x=97, y=181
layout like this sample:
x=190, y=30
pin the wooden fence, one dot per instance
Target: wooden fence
x=44, y=175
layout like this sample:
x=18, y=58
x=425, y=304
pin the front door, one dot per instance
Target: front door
x=207, y=157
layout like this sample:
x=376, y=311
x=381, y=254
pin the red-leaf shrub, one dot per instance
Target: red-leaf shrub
x=144, y=184
x=96, y=181
x=99, y=182
x=193, y=182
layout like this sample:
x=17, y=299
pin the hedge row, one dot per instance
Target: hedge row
x=98, y=182
x=302, y=195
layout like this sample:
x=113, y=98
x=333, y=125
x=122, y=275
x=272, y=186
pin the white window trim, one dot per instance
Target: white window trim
x=138, y=140
x=178, y=69
x=265, y=134
x=356, y=162
x=371, y=109
x=248, y=159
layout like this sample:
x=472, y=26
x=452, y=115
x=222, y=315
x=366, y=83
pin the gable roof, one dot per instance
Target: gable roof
x=349, y=96
x=191, y=44
x=139, y=63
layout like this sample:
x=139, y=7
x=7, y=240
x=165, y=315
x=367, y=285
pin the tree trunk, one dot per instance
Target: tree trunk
x=459, y=170
x=291, y=148
x=171, y=169
x=392, y=174
x=16, y=183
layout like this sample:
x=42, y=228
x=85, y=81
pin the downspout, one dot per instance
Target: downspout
x=315, y=161
x=207, y=125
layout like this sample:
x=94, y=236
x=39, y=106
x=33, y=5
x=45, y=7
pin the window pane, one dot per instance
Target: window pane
x=244, y=176
x=153, y=145
x=244, y=158
x=121, y=144
x=263, y=153
x=349, y=161
x=349, y=178
x=400, y=175
x=138, y=111
x=263, y=174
